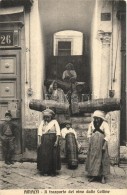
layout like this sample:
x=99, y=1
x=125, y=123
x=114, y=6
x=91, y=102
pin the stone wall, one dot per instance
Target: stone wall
x=113, y=119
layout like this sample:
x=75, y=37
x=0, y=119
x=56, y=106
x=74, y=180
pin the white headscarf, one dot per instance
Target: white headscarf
x=100, y=114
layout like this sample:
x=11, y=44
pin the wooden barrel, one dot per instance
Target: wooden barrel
x=58, y=107
x=71, y=151
x=66, y=86
x=106, y=104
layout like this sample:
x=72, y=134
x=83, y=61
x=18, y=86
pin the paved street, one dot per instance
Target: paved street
x=25, y=176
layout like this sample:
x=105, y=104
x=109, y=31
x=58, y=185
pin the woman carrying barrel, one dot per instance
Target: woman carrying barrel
x=97, y=162
x=48, y=157
x=71, y=144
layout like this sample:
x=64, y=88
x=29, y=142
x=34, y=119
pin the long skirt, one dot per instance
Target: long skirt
x=97, y=162
x=48, y=156
x=71, y=151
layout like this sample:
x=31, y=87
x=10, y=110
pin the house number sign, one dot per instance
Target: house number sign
x=6, y=38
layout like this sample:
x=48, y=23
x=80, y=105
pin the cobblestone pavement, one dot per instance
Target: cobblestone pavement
x=25, y=176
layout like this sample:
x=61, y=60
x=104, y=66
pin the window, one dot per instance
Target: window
x=68, y=43
x=64, y=48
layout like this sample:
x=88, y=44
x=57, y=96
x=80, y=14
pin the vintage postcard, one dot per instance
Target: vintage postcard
x=63, y=97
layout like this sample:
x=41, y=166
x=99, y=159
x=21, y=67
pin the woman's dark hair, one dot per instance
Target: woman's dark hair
x=70, y=65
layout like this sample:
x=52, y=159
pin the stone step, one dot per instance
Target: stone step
x=81, y=133
x=81, y=130
x=77, y=126
x=87, y=114
x=80, y=119
x=82, y=138
x=83, y=147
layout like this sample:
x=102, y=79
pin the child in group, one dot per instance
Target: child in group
x=98, y=162
x=68, y=129
x=71, y=144
x=7, y=135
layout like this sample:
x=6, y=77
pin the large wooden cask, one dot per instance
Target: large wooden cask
x=66, y=86
x=106, y=104
x=58, y=107
x=71, y=151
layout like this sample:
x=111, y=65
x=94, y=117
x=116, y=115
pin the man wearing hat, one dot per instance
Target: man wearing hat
x=7, y=135
x=98, y=162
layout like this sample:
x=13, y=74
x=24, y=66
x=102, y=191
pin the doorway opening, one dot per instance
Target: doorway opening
x=69, y=66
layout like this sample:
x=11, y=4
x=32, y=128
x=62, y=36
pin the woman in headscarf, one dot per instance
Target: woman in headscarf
x=48, y=158
x=98, y=162
x=69, y=75
x=56, y=93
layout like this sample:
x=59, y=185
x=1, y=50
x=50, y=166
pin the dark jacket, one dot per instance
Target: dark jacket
x=12, y=126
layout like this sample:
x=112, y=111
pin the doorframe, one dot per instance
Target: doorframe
x=123, y=134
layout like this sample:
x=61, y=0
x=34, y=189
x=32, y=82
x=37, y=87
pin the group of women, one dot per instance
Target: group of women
x=48, y=155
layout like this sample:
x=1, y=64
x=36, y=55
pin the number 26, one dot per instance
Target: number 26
x=5, y=39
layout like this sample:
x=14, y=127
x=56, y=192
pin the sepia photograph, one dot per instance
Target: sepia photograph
x=63, y=97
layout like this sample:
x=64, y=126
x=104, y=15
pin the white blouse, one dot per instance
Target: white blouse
x=65, y=131
x=51, y=127
x=67, y=73
x=104, y=128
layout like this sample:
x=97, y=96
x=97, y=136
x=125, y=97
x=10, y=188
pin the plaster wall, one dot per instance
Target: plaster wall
x=33, y=79
x=106, y=66
x=64, y=15
x=105, y=56
x=34, y=66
